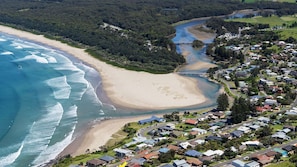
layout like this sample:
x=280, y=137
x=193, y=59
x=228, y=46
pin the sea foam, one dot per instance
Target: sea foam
x=61, y=89
x=6, y=161
x=42, y=130
x=7, y=53
x=38, y=59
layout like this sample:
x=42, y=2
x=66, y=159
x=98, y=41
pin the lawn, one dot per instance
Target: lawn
x=251, y=1
x=282, y=164
x=286, y=33
x=272, y=21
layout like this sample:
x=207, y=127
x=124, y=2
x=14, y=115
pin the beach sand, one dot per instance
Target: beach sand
x=131, y=89
x=98, y=135
x=139, y=90
x=198, y=32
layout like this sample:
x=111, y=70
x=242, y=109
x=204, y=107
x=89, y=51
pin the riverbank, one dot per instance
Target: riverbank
x=130, y=89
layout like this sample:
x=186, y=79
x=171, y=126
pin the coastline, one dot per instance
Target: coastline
x=130, y=89
x=102, y=130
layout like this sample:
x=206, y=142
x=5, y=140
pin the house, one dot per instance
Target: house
x=199, y=131
x=191, y=121
x=236, y=134
x=171, y=125
x=138, y=161
x=252, y=164
x=181, y=163
x=173, y=147
x=165, y=129
x=252, y=143
x=163, y=150
x=264, y=120
x=214, y=128
x=121, y=153
x=289, y=148
x=271, y=154
x=167, y=165
x=194, y=162
x=262, y=159
x=198, y=141
x=152, y=155
x=244, y=129
x=270, y=102
x=254, y=127
x=213, y=138
x=107, y=159
x=281, y=151
x=281, y=135
x=219, y=114
x=211, y=153
x=193, y=153
x=95, y=163
x=150, y=120
x=185, y=145
x=238, y=163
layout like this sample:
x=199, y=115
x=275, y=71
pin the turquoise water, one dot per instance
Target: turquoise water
x=47, y=97
x=44, y=97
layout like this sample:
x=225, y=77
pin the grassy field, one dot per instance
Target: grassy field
x=251, y=1
x=274, y=21
x=282, y=164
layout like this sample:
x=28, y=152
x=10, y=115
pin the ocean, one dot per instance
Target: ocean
x=45, y=95
x=48, y=97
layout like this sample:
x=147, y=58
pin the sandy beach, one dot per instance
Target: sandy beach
x=94, y=137
x=125, y=88
x=130, y=89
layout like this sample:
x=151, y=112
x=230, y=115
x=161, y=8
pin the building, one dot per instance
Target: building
x=194, y=162
x=150, y=120
x=193, y=153
x=181, y=163
x=95, y=163
x=191, y=121
x=237, y=134
x=199, y=131
x=281, y=151
x=238, y=163
x=252, y=164
x=107, y=159
x=262, y=159
x=122, y=153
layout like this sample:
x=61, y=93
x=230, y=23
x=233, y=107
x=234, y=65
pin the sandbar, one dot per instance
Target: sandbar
x=131, y=89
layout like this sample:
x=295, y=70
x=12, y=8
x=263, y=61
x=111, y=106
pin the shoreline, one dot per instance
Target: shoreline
x=88, y=142
x=129, y=89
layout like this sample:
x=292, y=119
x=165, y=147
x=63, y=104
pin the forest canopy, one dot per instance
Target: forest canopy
x=134, y=34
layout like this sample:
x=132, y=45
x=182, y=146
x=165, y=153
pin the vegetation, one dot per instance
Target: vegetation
x=223, y=102
x=197, y=44
x=240, y=110
x=132, y=34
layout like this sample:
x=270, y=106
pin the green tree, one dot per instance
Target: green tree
x=240, y=110
x=265, y=131
x=223, y=102
x=167, y=157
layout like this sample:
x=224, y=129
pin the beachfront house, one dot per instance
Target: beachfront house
x=95, y=163
x=151, y=120
x=107, y=159
x=122, y=153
